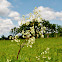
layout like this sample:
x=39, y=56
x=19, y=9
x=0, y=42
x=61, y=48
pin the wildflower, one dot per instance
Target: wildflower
x=37, y=35
x=19, y=40
x=23, y=36
x=39, y=24
x=41, y=31
x=22, y=31
x=47, y=49
x=16, y=40
x=10, y=37
x=27, y=23
x=43, y=56
x=41, y=28
x=44, y=31
x=8, y=60
x=16, y=36
x=27, y=45
x=39, y=20
x=38, y=56
x=42, y=36
x=35, y=7
x=45, y=52
x=49, y=58
x=38, y=59
x=31, y=46
x=44, y=28
x=41, y=53
x=23, y=16
x=11, y=40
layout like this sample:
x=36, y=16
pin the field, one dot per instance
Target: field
x=53, y=53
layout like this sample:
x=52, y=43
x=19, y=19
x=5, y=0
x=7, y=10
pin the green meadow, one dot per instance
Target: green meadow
x=9, y=51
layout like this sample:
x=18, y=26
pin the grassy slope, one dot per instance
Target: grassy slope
x=9, y=50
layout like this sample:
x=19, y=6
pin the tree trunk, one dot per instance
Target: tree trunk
x=47, y=35
x=56, y=35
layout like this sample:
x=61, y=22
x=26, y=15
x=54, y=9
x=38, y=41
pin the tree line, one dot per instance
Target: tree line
x=52, y=30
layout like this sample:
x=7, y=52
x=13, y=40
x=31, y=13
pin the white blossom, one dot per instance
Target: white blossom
x=44, y=56
x=47, y=49
x=42, y=36
x=27, y=23
x=49, y=58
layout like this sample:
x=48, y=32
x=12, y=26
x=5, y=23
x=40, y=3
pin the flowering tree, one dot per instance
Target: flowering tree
x=31, y=28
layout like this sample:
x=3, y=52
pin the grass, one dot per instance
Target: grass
x=9, y=50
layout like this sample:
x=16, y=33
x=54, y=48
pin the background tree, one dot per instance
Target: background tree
x=14, y=31
x=3, y=37
x=59, y=30
x=50, y=28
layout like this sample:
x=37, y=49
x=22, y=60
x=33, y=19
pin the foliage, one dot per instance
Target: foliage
x=59, y=29
x=14, y=31
x=3, y=37
x=49, y=27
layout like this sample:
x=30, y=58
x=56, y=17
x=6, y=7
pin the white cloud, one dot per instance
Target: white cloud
x=49, y=14
x=17, y=18
x=5, y=12
x=14, y=14
x=5, y=25
x=4, y=7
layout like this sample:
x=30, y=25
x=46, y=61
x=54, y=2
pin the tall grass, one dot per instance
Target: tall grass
x=9, y=50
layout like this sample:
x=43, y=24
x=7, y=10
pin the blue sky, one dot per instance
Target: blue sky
x=12, y=10
x=27, y=6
